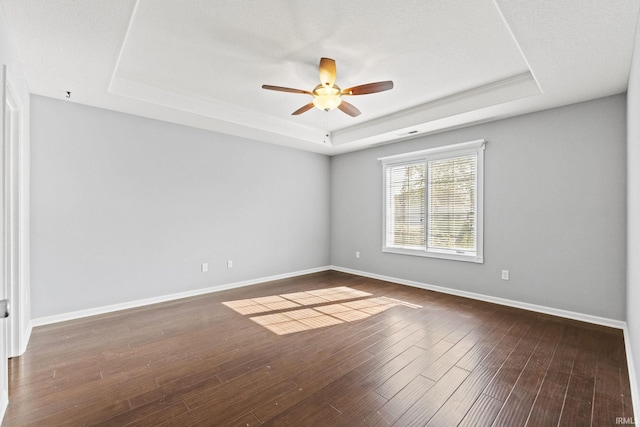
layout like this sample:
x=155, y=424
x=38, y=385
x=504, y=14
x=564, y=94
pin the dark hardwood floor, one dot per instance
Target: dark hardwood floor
x=370, y=352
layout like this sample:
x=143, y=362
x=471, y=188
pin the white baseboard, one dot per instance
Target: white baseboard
x=26, y=336
x=635, y=391
x=40, y=321
x=619, y=324
x=502, y=301
x=4, y=403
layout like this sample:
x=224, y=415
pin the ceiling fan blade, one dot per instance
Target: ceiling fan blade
x=302, y=109
x=350, y=109
x=369, y=88
x=327, y=70
x=286, y=89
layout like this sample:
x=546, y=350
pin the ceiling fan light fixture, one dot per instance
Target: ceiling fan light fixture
x=326, y=98
x=327, y=95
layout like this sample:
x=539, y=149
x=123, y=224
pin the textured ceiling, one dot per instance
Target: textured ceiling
x=202, y=63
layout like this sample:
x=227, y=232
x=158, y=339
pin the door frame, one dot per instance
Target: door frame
x=15, y=255
x=4, y=363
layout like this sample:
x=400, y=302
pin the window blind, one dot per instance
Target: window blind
x=452, y=204
x=433, y=202
x=406, y=205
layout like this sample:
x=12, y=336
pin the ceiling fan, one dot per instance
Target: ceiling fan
x=328, y=96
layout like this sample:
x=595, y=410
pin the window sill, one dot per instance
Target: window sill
x=431, y=254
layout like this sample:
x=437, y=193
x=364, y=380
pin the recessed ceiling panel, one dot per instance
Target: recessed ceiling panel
x=210, y=58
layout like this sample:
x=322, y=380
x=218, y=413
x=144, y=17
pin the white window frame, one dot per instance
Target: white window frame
x=444, y=152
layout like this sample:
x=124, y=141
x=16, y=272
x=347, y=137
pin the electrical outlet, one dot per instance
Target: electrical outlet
x=205, y=267
x=230, y=264
x=505, y=274
x=357, y=254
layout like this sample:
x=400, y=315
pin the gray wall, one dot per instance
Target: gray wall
x=555, y=210
x=633, y=215
x=126, y=208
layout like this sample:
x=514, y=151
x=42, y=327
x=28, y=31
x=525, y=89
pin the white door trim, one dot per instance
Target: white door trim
x=15, y=255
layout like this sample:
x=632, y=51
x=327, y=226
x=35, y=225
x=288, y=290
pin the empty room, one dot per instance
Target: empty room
x=243, y=213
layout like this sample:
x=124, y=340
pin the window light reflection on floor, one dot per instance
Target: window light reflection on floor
x=260, y=305
x=325, y=312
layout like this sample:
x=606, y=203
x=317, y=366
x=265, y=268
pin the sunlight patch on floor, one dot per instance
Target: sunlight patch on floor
x=324, y=314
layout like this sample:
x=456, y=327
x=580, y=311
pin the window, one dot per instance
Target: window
x=433, y=202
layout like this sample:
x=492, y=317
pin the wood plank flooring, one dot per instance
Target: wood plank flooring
x=392, y=355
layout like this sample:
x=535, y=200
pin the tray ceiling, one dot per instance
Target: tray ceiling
x=202, y=63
